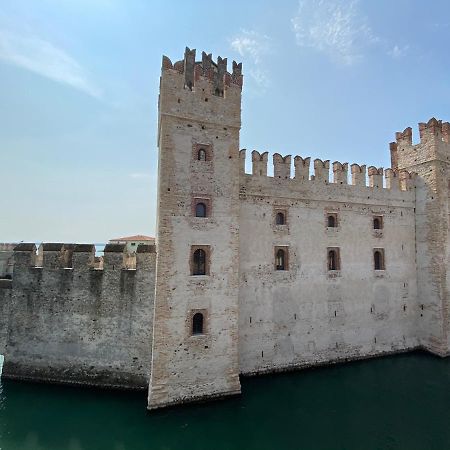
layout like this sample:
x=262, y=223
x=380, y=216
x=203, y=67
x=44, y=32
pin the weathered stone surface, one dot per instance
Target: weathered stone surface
x=78, y=325
x=62, y=319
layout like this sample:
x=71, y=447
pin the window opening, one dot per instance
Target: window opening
x=197, y=323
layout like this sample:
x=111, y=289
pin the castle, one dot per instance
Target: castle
x=251, y=273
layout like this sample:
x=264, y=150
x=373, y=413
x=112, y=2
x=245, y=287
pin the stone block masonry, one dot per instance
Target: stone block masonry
x=67, y=322
x=253, y=274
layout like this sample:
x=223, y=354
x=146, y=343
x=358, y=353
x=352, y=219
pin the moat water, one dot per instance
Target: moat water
x=398, y=402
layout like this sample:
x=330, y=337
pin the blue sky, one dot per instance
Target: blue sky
x=79, y=86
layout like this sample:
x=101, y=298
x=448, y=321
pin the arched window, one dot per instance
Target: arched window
x=197, y=323
x=280, y=262
x=377, y=223
x=200, y=210
x=378, y=260
x=279, y=218
x=331, y=223
x=199, y=262
x=332, y=260
x=201, y=156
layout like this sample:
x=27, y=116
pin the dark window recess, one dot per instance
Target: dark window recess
x=332, y=221
x=332, y=260
x=281, y=260
x=378, y=260
x=199, y=262
x=197, y=323
x=201, y=156
x=377, y=223
x=280, y=219
x=200, y=210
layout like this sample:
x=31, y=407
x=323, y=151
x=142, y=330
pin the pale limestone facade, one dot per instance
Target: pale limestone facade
x=257, y=318
x=364, y=269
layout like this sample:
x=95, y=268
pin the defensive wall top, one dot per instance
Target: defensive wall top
x=81, y=256
x=434, y=143
x=402, y=180
x=215, y=72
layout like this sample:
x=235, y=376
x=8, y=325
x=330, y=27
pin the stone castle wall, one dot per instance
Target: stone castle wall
x=67, y=317
x=307, y=314
x=68, y=322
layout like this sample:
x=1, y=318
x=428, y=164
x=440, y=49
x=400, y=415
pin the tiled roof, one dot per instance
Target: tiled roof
x=137, y=237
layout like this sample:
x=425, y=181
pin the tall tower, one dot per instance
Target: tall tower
x=195, y=334
x=430, y=159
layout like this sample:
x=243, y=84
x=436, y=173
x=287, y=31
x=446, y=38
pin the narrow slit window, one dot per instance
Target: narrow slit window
x=200, y=210
x=199, y=262
x=280, y=262
x=197, y=323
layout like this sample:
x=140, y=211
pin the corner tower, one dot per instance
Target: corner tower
x=430, y=159
x=195, y=332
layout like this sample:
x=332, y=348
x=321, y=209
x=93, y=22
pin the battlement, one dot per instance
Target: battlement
x=434, y=144
x=378, y=178
x=81, y=257
x=215, y=72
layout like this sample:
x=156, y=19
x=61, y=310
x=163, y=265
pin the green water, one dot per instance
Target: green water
x=399, y=402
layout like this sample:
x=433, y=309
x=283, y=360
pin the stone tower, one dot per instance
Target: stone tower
x=195, y=336
x=430, y=159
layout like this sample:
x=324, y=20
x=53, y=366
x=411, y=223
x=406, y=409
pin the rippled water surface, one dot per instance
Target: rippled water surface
x=398, y=402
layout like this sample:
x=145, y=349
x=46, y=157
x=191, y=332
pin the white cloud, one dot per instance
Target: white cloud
x=397, y=51
x=336, y=28
x=42, y=57
x=253, y=46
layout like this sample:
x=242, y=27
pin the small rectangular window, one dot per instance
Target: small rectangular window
x=280, y=216
x=378, y=259
x=201, y=207
x=202, y=152
x=333, y=259
x=200, y=260
x=332, y=220
x=282, y=258
x=377, y=222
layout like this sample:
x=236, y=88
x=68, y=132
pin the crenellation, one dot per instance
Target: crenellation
x=83, y=256
x=25, y=255
x=358, y=175
x=281, y=166
x=242, y=155
x=166, y=63
x=392, y=180
x=301, y=166
x=259, y=163
x=321, y=170
x=115, y=257
x=340, y=173
x=375, y=177
x=52, y=255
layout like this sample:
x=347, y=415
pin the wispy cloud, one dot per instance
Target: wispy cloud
x=253, y=46
x=397, y=51
x=334, y=27
x=42, y=57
